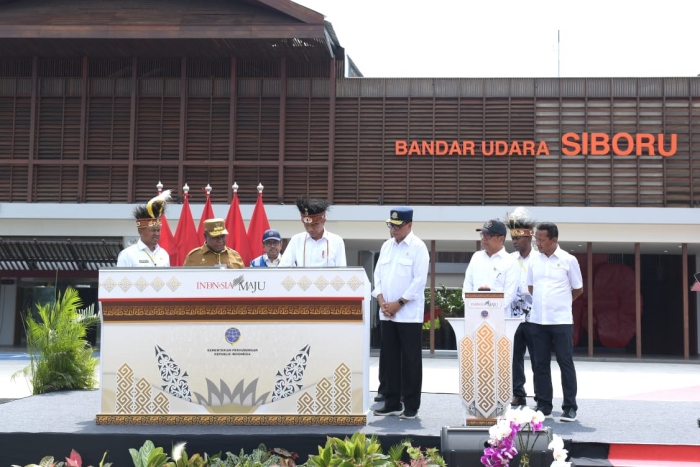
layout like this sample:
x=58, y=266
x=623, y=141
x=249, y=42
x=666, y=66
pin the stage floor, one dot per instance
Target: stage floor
x=629, y=402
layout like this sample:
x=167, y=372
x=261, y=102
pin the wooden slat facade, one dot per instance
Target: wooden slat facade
x=216, y=91
x=178, y=131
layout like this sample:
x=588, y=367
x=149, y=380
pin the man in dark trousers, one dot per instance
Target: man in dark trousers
x=554, y=280
x=399, y=278
x=521, y=226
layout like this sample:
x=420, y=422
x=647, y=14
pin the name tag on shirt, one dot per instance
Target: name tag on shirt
x=144, y=261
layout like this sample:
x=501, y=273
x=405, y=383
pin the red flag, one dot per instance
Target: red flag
x=237, y=238
x=207, y=212
x=258, y=226
x=167, y=240
x=186, y=237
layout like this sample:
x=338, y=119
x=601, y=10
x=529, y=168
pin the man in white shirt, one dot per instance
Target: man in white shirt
x=317, y=247
x=554, y=280
x=521, y=226
x=399, y=286
x=146, y=253
x=493, y=268
x=272, y=244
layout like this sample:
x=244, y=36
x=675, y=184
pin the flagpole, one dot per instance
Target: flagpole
x=558, y=54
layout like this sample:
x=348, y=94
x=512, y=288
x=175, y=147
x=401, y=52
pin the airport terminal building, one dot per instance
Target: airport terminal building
x=101, y=101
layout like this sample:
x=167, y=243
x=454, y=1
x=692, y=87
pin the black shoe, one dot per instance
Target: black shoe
x=408, y=414
x=518, y=401
x=569, y=415
x=546, y=412
x=379, y=398
x=384, y=412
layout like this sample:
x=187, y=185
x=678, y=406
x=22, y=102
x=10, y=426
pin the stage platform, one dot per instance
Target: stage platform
x=620, y=404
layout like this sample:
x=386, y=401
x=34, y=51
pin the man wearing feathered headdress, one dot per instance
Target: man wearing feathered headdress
x=146, y=253
x=316, y=247
x=521, y=224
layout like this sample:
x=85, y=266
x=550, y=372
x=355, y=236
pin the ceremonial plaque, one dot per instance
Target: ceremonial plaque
x=256, y=346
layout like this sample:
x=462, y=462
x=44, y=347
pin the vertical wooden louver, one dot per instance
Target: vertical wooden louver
x=106, y=130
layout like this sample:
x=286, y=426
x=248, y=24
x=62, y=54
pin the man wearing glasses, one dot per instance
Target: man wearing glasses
x=214, y=251
x=272, y=244
x=316, y=247
x=399, y=280
x=493, y=268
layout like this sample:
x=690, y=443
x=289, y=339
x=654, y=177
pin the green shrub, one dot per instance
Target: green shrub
x=60, y=358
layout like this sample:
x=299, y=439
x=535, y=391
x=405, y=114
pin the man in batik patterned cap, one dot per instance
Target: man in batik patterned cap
x=146, y=253
x=317, y=247
x=521, y=226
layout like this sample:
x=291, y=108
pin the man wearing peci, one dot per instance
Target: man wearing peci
x=272, y=244
x=214, y=251
x=316, y=247
x=146, y=253
x=399, y=278
x=554, y=279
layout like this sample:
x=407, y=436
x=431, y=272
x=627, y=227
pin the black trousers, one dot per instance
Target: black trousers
x=523, y=341
x=382, y=377
x=402, y=364
x=557, y=337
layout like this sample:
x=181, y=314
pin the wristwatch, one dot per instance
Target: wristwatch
x=401, y=302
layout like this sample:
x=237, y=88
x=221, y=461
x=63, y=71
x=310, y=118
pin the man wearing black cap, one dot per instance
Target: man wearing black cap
x=493, y=268
x=214, y=251
x=272, y=244
x=317, y=247
x=399, y=279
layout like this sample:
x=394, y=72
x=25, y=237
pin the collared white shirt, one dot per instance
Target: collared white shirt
x=305, y=252
x=552, y=279
x=500, y=272
x=402, y=271
x=522, y=304
x=139, y=256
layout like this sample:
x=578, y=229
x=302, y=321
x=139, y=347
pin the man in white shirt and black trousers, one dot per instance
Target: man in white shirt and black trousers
x=399, y=285
x=554, y=280
x=521, y=225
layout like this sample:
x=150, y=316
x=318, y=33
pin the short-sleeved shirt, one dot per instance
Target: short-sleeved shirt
x=500, y=272
x=139, y=256
x=203, y=256
x=305, y=252
x=552, y=279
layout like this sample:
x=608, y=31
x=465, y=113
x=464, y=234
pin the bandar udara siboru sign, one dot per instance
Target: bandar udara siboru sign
x=572, y=144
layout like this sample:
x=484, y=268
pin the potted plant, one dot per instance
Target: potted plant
x=449, y=307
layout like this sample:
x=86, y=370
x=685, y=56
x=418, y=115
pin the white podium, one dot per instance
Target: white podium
x=485, y=356
x=258, y=346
